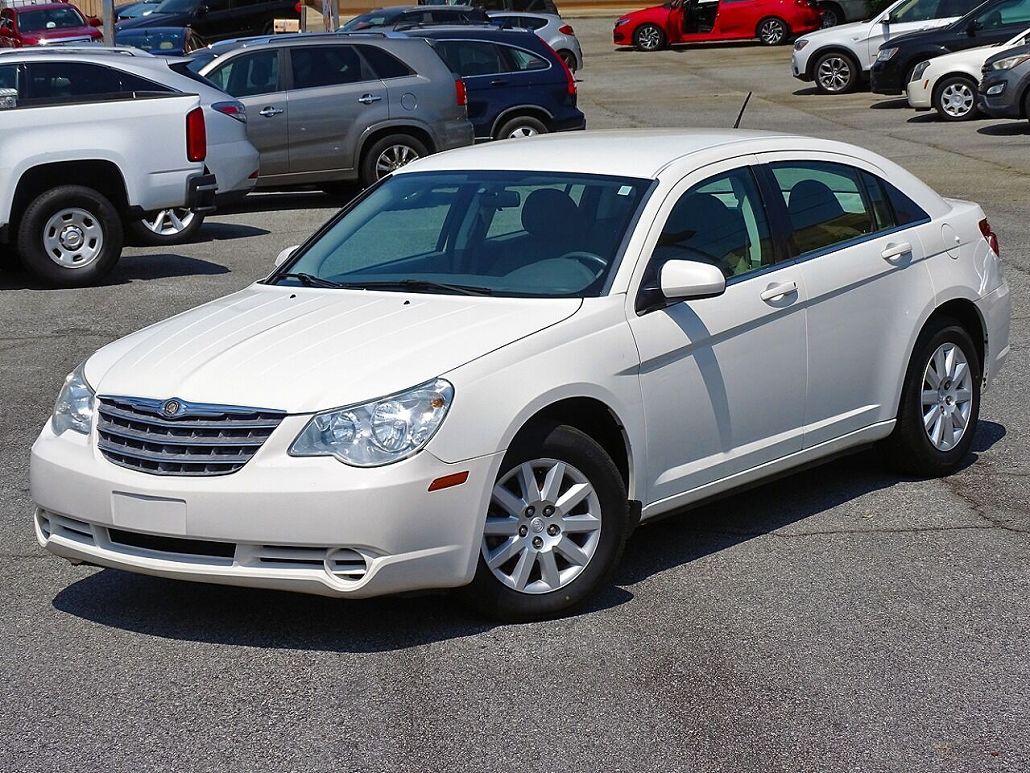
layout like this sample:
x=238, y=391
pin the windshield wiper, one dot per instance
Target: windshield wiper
x=419, y=285
x=310, y=280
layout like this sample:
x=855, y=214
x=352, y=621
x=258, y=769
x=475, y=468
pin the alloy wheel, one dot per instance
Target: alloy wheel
x=393, y=157
x=649, y=38
x=543, y=526
x=947, y=396
x=834, y=73
x=771, y=32
x=830, y=18
x=957, y=99
x=169, y=222
x=73, y=238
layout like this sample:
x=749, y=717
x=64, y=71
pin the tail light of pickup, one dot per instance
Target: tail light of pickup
x=196, y=135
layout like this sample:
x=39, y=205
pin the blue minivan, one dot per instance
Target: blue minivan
x=517, y=85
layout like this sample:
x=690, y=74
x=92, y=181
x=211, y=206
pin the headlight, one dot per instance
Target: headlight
x=1009, y=62
x=74, y=407
x=623, y=20
x=885, y=54
x=919, y=69
x=799, y=44
x=378, y=432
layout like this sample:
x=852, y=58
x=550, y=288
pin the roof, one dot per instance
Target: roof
x=635, y=153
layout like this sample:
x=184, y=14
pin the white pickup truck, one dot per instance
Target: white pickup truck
x=72, y=169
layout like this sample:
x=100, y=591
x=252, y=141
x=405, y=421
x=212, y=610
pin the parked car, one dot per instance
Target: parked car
x=694, y=21
x=948, y=83
x=1005, y=88
x=550, y=28
x=218, y=19
x=552, y=319
x=517, y=85
x=992, y=22
x=516, y=6
x=838, y=59
x=134, y=10
x=336, y=107
x=162, y=41
x=836, y=12
x=407, y=16
x=63, y=72
x=42, y=24
x=82, y=154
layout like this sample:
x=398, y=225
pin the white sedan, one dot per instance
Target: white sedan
x=484, y=375
x=948, y=83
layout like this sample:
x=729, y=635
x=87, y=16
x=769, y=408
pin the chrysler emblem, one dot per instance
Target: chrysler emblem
x=171, y=407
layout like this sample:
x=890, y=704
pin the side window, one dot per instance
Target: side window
x=9, y=78
x=905, y=210
x=245, y=76
x=878, y=201
x=720, y=221
x=825, y=203
x=525, y=61
x=58, y=81
x=383, y=64
x=1011, y=12
x=471, y=57
x=534, y=23
x=325, y=66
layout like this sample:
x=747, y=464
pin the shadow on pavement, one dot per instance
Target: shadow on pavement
x=1007, y=129
x=890, y=104
x=255, y=618
x=287, y=200
x=219, y=232
x=128, y=269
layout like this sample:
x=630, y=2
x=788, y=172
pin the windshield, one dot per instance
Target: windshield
x=152, y=41
x=50, y=19
x=175, y=6
x=536, y=234
x=369, y=20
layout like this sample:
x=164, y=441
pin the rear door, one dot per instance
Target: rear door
x=256, y=79
x=483, y=66
x=333, y=98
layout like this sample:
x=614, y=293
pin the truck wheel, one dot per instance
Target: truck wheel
x=165, y=227
x=389, y=154
x=70, y=236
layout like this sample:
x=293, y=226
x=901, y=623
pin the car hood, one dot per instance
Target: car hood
x=305, y=349
x=856, y=30
x=64, y=32
x=935, y=36
x=651, y=9
x=970, y=56
x=1005, y=53
x=154, y=19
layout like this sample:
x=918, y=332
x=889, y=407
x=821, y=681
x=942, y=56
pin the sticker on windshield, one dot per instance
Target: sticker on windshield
x=625, y=190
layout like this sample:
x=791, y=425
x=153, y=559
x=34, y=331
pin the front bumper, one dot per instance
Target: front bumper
x=1004, y=105
x=623, y=35
x=886, y=77
x=797, y=69
x=200, y=193
x=918, y=94
x=312, y=525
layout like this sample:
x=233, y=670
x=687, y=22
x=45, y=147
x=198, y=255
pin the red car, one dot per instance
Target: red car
x=695, y=21
x=31, y=24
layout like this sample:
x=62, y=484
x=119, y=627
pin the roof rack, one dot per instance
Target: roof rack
x=96, y=50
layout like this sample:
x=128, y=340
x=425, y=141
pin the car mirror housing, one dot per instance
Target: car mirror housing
x=284, y=256
x=682, y=280
x=971, y=28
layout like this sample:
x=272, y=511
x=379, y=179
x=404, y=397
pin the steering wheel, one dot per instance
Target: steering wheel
x=592, y=261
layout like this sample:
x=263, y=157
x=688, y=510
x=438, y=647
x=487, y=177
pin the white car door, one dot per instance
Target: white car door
x=862, y=260
x=722, y=379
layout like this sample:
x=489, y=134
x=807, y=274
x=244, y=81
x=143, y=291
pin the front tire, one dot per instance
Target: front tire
x=165, y=227
x=389, y=154
x=522, y=126
x=649, y=37
x=954, y=98
x=555, y=529
x=835, y=73
x=70, y=236
x=940, y=403
x=772, y=31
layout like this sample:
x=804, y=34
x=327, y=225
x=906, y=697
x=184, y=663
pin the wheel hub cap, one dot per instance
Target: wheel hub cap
x=393, y=158
x=73, y=238
x=947, y=399
x=834, y=74
x=957, y=99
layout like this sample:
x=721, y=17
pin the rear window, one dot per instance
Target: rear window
x=49, y=19
x=383, y=64
x=469, y=58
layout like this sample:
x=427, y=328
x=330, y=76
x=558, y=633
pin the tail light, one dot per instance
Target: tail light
x=297, y=7
x=196, y=135
x=461, y=94
x=569, y=78
x=233, y=109
x=566, y=29
x=990, y=236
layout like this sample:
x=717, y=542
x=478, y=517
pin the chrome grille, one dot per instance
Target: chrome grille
x=175, y=437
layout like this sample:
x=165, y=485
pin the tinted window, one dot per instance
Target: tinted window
x=9, y=77
x=245, y=76
x=825, y=203
x=719, y=221
x=905, y=210
x=471, y=57
x=1010, y=12
x=56, y=81
x=924, y=10
x=49, y=19
x=523, y=60
x=383, y=64
x=325, y=66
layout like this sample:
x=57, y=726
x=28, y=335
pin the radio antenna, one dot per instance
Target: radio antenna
x=736, y=124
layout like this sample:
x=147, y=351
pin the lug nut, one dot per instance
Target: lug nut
x=553, y=530
x=538, y=542
x=548, y=511
x=523, y=531
x=530, y=511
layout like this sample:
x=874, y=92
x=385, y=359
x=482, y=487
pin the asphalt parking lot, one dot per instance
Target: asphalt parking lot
x=838, y=619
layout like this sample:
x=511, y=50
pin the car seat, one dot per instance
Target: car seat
x=818, y=217
x=702, y=228
x=554, y=226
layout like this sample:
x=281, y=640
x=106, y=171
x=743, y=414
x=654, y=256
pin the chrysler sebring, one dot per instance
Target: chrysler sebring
x=495, y=363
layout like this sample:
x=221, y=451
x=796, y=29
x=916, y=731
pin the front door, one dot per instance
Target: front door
x=699, y=17
x=722, y=379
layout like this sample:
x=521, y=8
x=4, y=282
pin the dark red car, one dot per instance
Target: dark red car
x=45, y=24
x=694, y=21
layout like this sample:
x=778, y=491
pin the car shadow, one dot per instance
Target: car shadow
x=1007, y=129
x=890, y=104
x=217, y=614
x=221, y=232
x=280, y=201
x=129, y=268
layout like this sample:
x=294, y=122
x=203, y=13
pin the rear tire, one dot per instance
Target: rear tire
x=547, y=558
x=832, y=15
x=70, y=236
x=165, y=227
x=388, y=154
x=522, y=126
x=649, y=37
x=569, y=58
x=772, y=31
x=940, y=403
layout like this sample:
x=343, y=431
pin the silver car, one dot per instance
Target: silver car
x=325, y=109
x=551, y=27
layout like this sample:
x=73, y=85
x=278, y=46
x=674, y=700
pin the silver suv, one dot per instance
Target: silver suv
x=330, y=108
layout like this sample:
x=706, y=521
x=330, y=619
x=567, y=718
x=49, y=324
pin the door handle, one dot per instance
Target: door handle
x=368, y=99
x=501, y=82
x=893, y=251
x=779, y=291
x=269, y=111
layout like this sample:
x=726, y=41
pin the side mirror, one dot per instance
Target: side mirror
x=201, y=11
x=8, y=99
x=682, y=280
x=284, y=256
x=971, y=28
x=886, y=19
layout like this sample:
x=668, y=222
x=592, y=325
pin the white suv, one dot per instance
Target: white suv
x=494, y=363
x=838, y=58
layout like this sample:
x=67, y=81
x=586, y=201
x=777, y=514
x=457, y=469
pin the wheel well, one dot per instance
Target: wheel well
x=965, y=313
x=412, y=131
x=941, y=81
x=533, y=112
x=102, y=176
x=816, y=55
x=593, y=418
